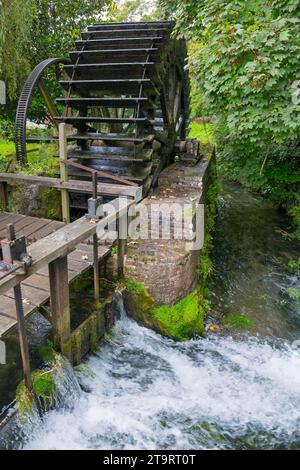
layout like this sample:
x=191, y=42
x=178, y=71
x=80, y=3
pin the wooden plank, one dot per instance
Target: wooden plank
x=46, y=230
x=39, y=282
x=11, y=220
x=65, y=240
x=20, y=226
x=33, y=297
x=3, y=216
x=35, y=284
x=104, y=189
x=74, y=266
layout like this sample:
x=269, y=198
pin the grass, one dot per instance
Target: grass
x=41, y=161
x=202, y=131
x=8, y=146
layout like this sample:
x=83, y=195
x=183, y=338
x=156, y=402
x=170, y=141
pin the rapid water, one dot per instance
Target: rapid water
x=150, y=393
x=143, y=391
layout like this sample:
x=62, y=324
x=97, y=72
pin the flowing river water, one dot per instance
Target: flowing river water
x=225, y=391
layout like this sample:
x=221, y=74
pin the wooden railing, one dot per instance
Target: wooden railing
x=52, y=251
x=119, y=188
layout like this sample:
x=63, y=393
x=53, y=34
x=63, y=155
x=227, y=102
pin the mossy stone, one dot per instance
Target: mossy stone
x=180, y=322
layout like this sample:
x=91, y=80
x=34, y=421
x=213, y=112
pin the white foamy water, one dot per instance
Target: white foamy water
x=148, y=392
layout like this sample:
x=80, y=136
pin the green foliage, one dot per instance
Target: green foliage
x=202, y=131
x=15, y=34
x=135, y=10
x=242, y=322
x=33, y=30
x=244, y=61
x=113, y=251
x=46, y=352
x=294, y=267
x=44, y=385
x=42, y=161
x=7, y=130
x=132, y=285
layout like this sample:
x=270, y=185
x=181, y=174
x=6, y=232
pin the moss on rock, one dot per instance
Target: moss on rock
x=180, y=322
x=184, y=319
x=43, y=387
x=139, y=303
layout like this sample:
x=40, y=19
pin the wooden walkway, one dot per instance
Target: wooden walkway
x=36, y=289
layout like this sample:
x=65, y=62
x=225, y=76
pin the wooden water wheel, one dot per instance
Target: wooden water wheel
x=125, y=99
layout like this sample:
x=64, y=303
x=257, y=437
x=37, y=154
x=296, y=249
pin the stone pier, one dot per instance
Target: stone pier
x=164, y=285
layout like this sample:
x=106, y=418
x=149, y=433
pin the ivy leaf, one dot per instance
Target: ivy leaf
x=284, y=36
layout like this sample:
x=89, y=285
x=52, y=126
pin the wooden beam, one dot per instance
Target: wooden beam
x=23, y=336
x=60, y=305
x=63, y=156
x=122, y=241
x=48, y=100
x=103, y=189
x=4, y=195
x=65, y=240
x=103, y=174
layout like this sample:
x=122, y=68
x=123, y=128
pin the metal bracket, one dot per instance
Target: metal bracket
x=14, y=253
x=95, y=208
x=95, y=203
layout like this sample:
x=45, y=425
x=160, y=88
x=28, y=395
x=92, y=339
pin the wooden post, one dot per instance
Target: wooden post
x=23, y=336
x=63, y=155
x=95, y=252
x=4, y=195
x=60, y=305
x=122, y=241
x=48, y=100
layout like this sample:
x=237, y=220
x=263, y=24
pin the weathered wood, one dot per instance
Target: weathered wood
x=48, y=100
x=60, y=305
x=95, y=254
x=23, y=336
x=4, y=195
x=63, y=157
x=104, y=189
x=36, y=289
x=122, y=241
x=102, y=174
x=65, y=240
x=31, y=227
x=20, y=314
